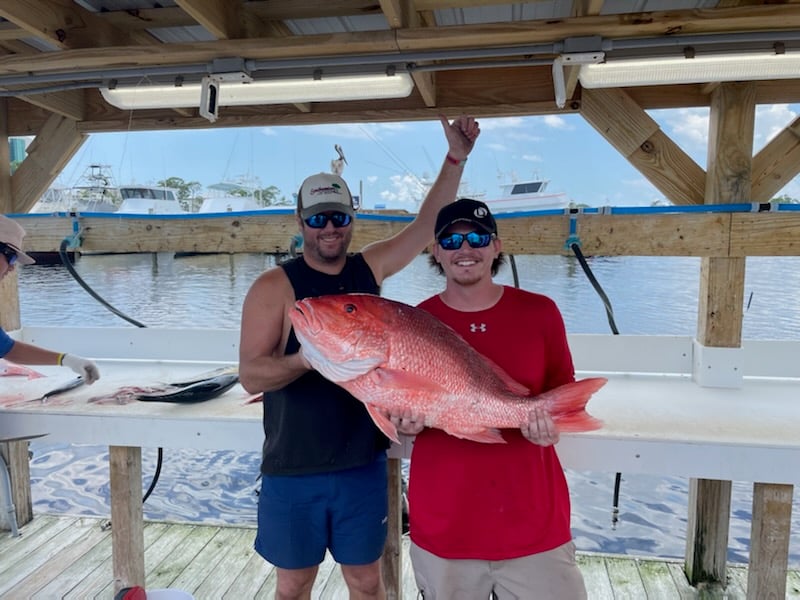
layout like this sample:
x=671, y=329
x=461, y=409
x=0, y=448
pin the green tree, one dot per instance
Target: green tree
x=188, y=191
x=784, y=199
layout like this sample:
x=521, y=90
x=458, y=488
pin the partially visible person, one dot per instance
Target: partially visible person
x=11, y=255
x=324, y=485
x=492, y=518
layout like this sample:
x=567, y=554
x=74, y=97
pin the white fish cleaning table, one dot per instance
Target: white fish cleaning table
x=655, y=422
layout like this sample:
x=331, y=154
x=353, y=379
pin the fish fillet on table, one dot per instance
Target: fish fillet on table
x=397, y=357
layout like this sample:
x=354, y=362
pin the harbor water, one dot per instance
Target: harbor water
x=655, y=296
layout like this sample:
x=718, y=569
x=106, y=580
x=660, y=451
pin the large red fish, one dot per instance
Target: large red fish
x=393, y=356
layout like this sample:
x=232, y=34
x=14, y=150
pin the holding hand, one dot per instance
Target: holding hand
x=82, y=366
x=406, y=422
x=540, y=428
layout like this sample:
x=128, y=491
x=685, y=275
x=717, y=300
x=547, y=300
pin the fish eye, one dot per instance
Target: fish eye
x=350, y=308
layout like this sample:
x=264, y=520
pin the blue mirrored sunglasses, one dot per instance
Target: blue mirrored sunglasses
x=320, y=220
x=474, y=239
x=9, y=253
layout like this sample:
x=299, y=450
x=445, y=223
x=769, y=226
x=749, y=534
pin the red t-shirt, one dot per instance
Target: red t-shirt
x=496, y=501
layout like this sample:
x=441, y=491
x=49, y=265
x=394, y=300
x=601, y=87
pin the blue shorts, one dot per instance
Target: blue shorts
x=300, y=516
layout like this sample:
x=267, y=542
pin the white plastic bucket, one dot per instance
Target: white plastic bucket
x=168, y=595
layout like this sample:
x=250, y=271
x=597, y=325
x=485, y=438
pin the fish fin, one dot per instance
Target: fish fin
x=567, y=404
x=403, y=380
x=382, y=423
x=485, y=436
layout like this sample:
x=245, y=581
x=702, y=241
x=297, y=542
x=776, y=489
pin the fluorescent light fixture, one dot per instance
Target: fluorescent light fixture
x=701, y=69
x=276, y=91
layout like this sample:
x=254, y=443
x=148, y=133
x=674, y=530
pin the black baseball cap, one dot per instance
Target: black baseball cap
x=466, y=210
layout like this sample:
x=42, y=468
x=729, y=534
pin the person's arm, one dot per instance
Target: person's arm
x=264, y=330
x=27, y=354
x=387, y=257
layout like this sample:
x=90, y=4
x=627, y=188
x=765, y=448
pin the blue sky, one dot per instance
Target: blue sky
x=387, y=160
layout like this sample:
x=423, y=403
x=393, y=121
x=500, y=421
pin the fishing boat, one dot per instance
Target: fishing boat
x=520, y=195
x=147, y=199
x=95, y=191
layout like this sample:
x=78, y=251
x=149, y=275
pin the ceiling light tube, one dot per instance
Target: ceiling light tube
x=701, y=69
x=276, y=91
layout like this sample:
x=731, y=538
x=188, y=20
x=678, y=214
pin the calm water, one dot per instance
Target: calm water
x=648, y=295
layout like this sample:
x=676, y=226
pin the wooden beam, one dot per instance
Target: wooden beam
x=393, y=10
x=769, y=538
x=66, y=24
x=69, y=103
x=730, y=147
x=52, y=148
x=777, y=163
x=127, y=525
x=220, y=17
x=521, y=33
x=639, y=139
x=392, y=557
x=692, y=234
x=6, y=203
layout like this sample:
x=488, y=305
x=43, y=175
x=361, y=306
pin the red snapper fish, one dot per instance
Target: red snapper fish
x=393, y=356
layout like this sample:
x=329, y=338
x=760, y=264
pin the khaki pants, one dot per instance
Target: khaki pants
x=551, y=575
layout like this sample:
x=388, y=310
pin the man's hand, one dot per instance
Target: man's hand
x=82, y=366
x=461, y=135
x=540, y=428
x=406, y=422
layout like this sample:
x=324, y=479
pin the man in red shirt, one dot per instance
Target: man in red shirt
x=492, y=518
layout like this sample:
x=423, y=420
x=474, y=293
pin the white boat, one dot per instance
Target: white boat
x=527, y=195
x=147, y=199
x=238, y=196
x=95, y=191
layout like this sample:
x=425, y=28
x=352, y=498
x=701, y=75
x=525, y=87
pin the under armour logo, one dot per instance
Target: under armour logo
x=474, y=328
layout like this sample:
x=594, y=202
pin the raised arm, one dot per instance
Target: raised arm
x=387, y=257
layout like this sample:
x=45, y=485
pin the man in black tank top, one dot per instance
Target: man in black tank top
x=324, y=474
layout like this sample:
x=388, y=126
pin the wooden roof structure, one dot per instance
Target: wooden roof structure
x=481, y=57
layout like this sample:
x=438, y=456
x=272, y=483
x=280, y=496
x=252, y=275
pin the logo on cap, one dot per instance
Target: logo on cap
x=333, y=188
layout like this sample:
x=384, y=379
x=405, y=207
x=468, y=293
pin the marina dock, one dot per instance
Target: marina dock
x=70, y=557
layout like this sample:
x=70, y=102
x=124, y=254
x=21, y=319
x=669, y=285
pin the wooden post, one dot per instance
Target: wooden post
x=730, y=152
x=127, y=526
x=14, y=453
x=769, y=541
x=391, y=561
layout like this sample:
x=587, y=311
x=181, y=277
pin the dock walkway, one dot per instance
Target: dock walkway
x=70, y=557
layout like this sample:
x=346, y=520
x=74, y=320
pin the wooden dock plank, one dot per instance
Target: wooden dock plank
x=251, y=579
x=8, y=542
x=625, y=579
x=595, y=576
x=206, y=561
x=71, y=558
x=657, y=580
x=234, y=555
x=60, y=563
x=41, y=550
x=101, y=577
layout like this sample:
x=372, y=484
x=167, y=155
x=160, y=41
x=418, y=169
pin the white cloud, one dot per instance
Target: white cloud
x=268, y=131
x=688, y=127
x=556, y=122
x=770, y=121
x=532, y=157
x=405, y=191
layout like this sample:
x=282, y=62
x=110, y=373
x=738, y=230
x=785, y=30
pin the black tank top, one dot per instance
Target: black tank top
x=312, y=425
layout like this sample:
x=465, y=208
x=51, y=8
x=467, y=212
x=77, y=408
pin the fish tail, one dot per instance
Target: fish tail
x=567, y=404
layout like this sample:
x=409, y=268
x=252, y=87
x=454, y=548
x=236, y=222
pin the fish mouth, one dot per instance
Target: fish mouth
x=303, y=318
